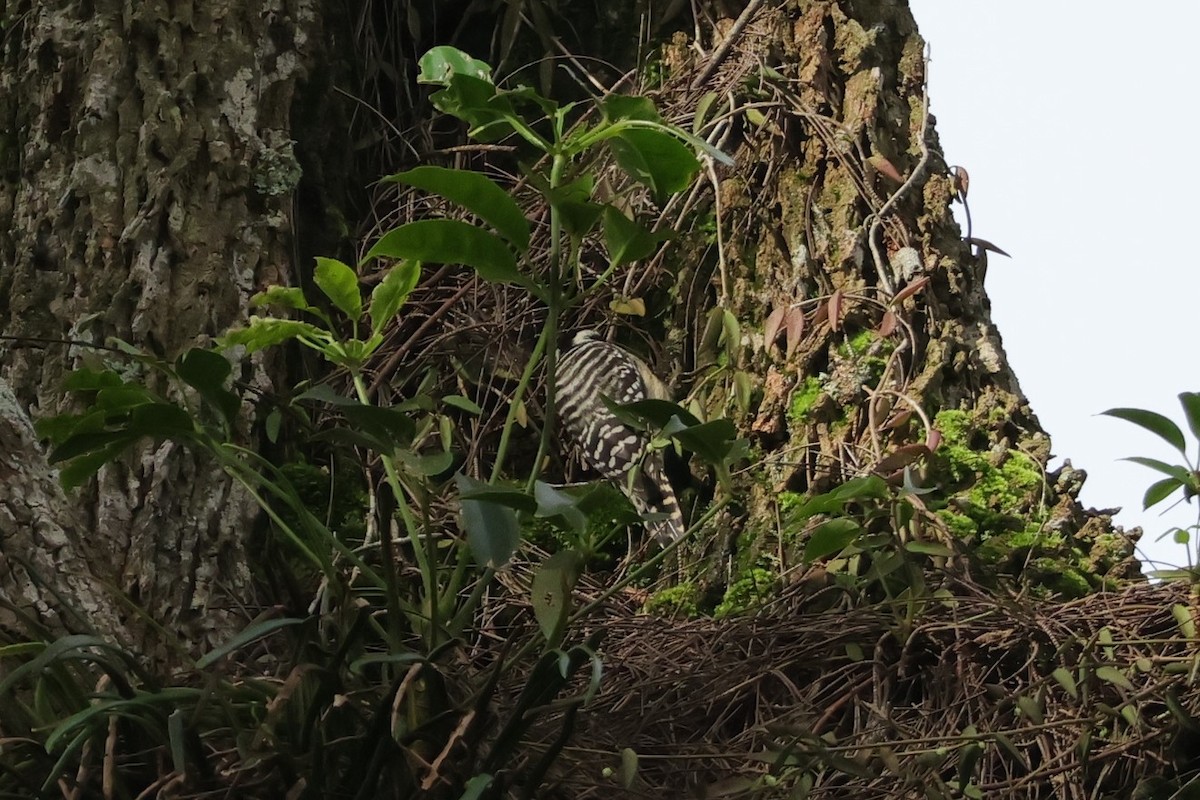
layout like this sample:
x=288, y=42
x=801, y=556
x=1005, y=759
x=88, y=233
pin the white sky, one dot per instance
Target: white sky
x=1077, y=123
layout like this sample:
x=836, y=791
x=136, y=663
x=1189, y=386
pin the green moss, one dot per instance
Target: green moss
x=675, y=601
x=748, y=592
x=804, y=397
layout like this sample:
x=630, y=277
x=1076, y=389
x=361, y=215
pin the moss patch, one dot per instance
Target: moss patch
x=804, y=398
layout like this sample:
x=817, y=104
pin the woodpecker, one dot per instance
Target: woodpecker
x=590, y=371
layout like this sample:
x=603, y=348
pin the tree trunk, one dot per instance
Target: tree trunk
x=146, y=182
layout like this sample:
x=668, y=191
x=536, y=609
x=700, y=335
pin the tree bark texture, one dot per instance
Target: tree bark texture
x=146, y=180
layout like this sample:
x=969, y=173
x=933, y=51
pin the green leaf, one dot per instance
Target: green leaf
x=1179, y=473
x=83, y=467
x=269, y=331
x=657, y=412
x=462, y=404
x=1184, y=619
x=272, y=425
x=207, y=371
x=712, y=440
x=339, y=282
x=550, y=593
x=868, y=487
x=617, y=107
x=252, y=633
x=391, y=292
x=573, y=203
x=1159, y=491
x=89, y=380
x=655, y=159
x=1067, y=681
x=475, y=192
x=474, y=788
x=552, y=502
x=1156, y=423
x=1031, y=708
x=629, y=767
x=161, y=421
x=85, y=443
x=426, y=465
x=627, y=240
x=831, y=536
x=492, y=530
x=928, y=548
x=450, y=241
x=1114, y=676
x=391, y=428
x=123, y=398
x=440, y=64
x=1191, y=411
x=282, y=296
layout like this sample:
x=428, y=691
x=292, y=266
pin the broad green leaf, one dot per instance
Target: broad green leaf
x=869, y=487
x=475, y=192
x=450, y=241
x=627, y=240
x=440, y=64
x=268, y=331
x=251, y=633
x=391, y=292
x=89, y=380
x=884, y=565
x=1159, y=491
x=207, y=371
x=550, y=593
x=573, y=202
x=390, y=427
x=712, y=441
x=282, y=296
x=657, y=412
x=85, y=443
x=656, y=159
x=831, y=536
x=617, y=107
x=82, y=468
x=273, y=424
x=425, y=464
x=492, y=530
x=1191, y=411
x=161, y=421
x=123, y=398
x=339, y=282
x=555, y=503
x=1181, y=536
x=1156, y=423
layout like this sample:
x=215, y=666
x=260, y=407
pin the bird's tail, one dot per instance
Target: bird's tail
x=651, y=493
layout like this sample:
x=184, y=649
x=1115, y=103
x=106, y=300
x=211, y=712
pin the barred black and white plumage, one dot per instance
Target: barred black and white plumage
x=590, y=371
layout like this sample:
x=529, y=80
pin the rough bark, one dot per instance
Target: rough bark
x=146, y=178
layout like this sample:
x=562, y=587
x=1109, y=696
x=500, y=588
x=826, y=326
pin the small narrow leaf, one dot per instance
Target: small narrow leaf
x=340, y=284
x=773, y=326
x=1067, y=681
x=1184, y=619
x=629, y=767
x=1031, y=708
x=794, y=322
x=909, y=290
x=462, y=404
x=1114, y=676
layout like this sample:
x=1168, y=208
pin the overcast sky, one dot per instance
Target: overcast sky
x=1078, y=126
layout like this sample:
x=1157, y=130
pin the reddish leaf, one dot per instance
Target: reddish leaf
x=910, y=290
x=887, y=325
x=771, y=326
x=794, y=322
x=885, y=167
x=962, y=182
x=901, y=457
x=821, y=315
x=897, y=421
x=835, y=310
x=933, y=439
